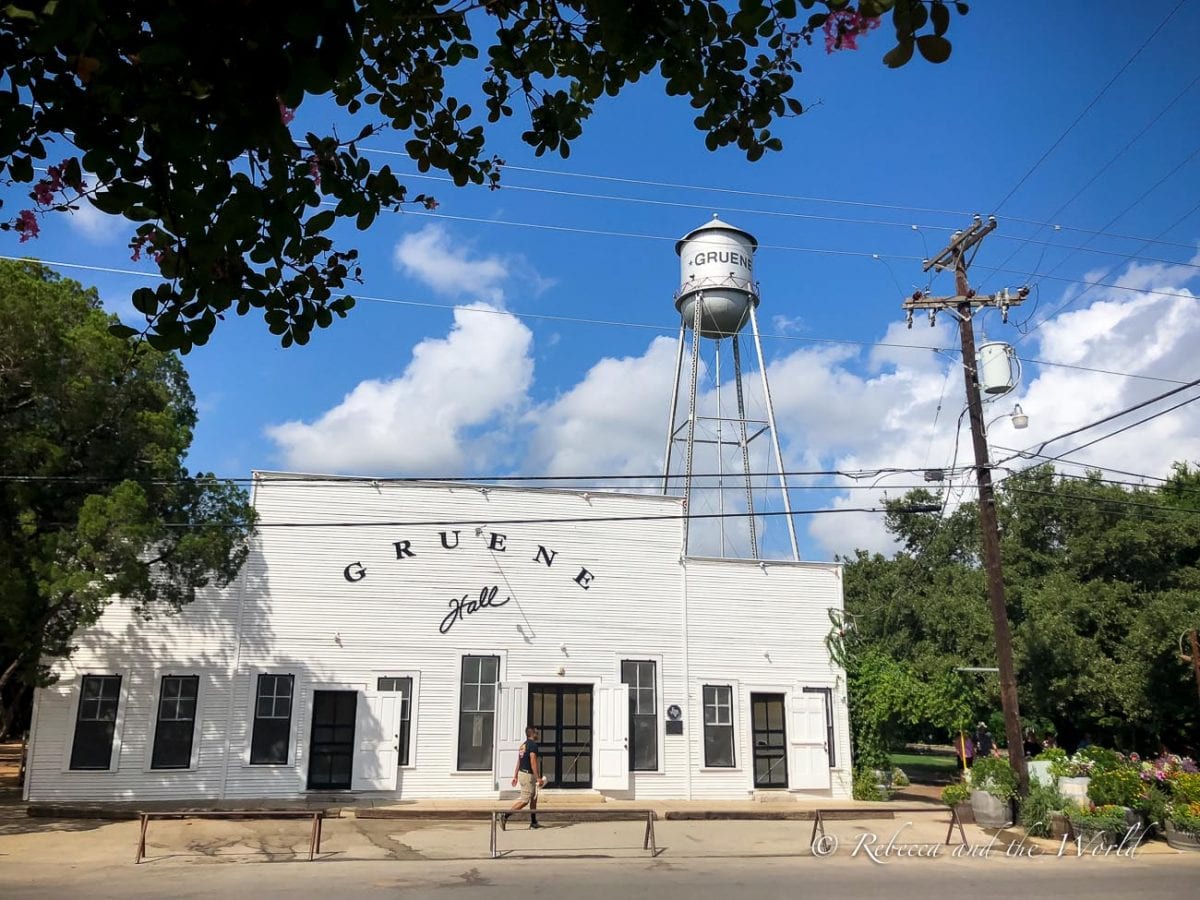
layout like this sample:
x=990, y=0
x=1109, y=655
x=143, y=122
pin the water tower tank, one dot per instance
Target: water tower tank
x=716, y=261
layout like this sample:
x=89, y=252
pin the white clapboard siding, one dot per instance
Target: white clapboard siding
x=293, y=610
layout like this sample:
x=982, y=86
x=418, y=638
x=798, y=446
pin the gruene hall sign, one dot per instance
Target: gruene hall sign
x=466, y=605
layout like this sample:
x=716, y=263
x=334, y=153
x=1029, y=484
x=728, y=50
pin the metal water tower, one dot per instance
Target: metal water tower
x=717, y=298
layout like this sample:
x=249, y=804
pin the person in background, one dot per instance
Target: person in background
x=529, y=775
x=1085, y=743
x=1031, y=746
x=964, y=749
x=984, y=745
x=1050, y=743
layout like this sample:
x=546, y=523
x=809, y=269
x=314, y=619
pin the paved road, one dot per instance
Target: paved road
x=1152, y=878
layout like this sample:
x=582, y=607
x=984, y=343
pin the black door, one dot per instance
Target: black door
x=562, y=714
x=770, y=740
x=331, y=755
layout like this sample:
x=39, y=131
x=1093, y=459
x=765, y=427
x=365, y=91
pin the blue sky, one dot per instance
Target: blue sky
x=408, y=386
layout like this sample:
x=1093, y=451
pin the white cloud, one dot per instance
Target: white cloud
x=432, y=256
x=97, y=227
x=429, y=420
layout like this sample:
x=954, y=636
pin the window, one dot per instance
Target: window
x=477, y=712
x=405, y=686
x=718, y=726
x=643, y=714
x=96, y=722
x=272, y=721
x=176, y=722
x=828, y=692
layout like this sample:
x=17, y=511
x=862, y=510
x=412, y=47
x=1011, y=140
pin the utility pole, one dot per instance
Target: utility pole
x=1194, y=657
x=963, y=306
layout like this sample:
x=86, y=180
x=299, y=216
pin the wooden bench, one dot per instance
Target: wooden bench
x=314, y=843
x=862, y=812
x=581, y=815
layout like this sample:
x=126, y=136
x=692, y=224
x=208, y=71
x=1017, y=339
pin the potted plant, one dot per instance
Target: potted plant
x=1183, y=826
x=957, y=796
x=1040, y=766
x=1121, y=786
x=1098, y=826
x=993, y=787
x=1041, y=812
x=1073, y=774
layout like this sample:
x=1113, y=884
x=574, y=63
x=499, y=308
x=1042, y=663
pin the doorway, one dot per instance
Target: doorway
x=770, y=740
x=331, y=752
x=562, y=713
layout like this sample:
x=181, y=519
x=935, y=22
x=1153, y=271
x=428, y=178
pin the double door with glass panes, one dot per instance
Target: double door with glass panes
x=562, y=714
x=331, y=759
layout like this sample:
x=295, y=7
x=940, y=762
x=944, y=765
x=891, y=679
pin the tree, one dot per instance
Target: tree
x=175, y=116
x=1102, y=580
x=95, y=502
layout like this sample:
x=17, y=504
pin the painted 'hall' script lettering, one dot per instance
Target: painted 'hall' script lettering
x=461, y=607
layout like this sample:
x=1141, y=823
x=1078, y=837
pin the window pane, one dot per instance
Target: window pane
x=644, y=742
x=718, y=746
x=272, y=720
x=475, y=742
x=489, y=669
x=487, y=697
x=95, y=722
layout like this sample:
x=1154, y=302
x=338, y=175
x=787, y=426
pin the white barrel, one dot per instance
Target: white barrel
x=996, y=367
x=716, y=268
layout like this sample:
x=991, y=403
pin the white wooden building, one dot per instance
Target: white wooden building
x=394, y=638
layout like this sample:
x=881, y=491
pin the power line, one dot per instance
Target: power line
x=1079, y=118
x=1108, y=418
x=577, y=320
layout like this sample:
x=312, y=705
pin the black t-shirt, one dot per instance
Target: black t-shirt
x=529, y=747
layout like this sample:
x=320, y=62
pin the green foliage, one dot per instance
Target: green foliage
x=1037, y=807
x=866, y=785
x=1052, y=755
x=1102, y=759
x=1101, y=580
x=96, y=428
x=180, y=112
x=954, y=794
x=1186, y=817
x=1185, y=787
x=899, y=778
x=1155, y=805
x=1093, y=819
x=995, y=776
x=1119, y=786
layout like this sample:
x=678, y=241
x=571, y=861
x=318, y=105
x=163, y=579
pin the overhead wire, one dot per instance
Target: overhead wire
x=1096, y=99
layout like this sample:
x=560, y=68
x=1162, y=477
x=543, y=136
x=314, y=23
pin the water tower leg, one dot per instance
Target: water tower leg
x=720, y=446
x=762, y=367
x=691, y=434
x=666, y=484
x=741, y=407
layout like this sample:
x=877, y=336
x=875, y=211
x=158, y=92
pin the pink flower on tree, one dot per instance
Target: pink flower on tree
x=314, y=170
x=843, y=27
x=27, y=224
x=44, y=190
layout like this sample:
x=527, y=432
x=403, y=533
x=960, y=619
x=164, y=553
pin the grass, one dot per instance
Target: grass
x=926, y=768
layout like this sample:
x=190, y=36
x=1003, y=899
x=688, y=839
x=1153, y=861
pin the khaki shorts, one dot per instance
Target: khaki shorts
x=528, y=786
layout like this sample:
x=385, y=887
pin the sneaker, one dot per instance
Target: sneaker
x=504, y=822
x=534, y=825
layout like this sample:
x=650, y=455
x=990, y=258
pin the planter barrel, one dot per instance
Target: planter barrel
x=1181, y=840
x=1039, y=772
x=1074, y=789
x=989, y=811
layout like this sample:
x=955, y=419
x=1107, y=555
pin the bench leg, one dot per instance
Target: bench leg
x=817, y=823
x=492, y=843
x=650, y=828
x=141, y=849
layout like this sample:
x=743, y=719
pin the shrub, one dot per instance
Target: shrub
x=995, y=776
x=899, y=779
x=1101, y=758
x=1186, y=818
x=954, y=794
x=865, y=786
x=1185, y=787
x=1076, y=766
x=1121, y=786
x=1155, y=805
x=1053, y=755
x=1037, y=807
x=1092, y=818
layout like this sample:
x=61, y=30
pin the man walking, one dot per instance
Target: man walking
x=529, y=775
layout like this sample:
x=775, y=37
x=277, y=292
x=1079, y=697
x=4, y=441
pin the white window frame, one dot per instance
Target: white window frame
x=661, y=713
x=114, y=759
x=501, y=677
x=298, y=685
x=733, y=724
x=206, y=676
x=415, y=675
